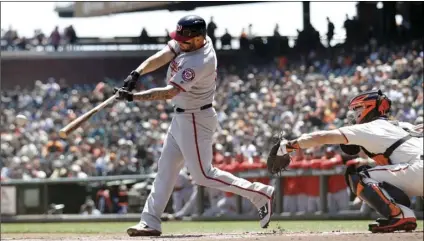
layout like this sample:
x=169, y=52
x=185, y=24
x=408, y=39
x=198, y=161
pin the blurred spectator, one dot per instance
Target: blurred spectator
x=22, y=44
x=76, y=171
x=393, y=93
x=122, y=199
x=189, y=208
x=250, y=33
x=276, y=31
x=312, y=186
x=294, y=198
x=337, y=193
x=39, y=38
x=226, y=40
x=103, y=200
x=255, y=163
x=144, y=37
x=248, y=149
x=275, y=41
x=244, y=41
x=214, y=196
x=89, y=208
x=70, y=37
x=330, y=31
x=210, y=30
x=10, y=36
x=55, y=38
x=406, y=113
x=308, y=40
x=182, y=191
x=54, y=146
x=348, y=26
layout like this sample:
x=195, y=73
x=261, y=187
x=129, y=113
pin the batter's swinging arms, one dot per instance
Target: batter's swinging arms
x=396, y=148
x=191, y=86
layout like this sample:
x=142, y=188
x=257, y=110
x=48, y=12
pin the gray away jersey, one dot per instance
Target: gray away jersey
x=194, y=73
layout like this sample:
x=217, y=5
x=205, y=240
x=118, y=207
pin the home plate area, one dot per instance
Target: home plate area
x=246, y=236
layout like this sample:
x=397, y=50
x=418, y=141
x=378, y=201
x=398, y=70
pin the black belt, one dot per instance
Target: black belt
x=201, y=108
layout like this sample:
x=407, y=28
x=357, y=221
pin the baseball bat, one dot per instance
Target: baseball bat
x=69, y=128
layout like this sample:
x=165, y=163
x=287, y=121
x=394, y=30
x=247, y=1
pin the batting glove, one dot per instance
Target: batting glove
x=123, y=94
x=131, y=81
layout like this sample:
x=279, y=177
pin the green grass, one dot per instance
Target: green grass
x=193, y=227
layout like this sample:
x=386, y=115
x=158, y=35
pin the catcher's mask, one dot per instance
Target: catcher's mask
x=369, y=106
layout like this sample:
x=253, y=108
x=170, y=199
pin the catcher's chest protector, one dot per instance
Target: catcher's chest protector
x=384, y=158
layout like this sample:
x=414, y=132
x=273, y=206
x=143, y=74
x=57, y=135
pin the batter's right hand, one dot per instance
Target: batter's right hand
x=131, y=81
x=123, y=94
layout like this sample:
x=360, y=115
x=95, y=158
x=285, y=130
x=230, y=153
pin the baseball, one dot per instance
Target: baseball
x=21, y=120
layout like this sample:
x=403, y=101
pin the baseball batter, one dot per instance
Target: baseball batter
x=396, y=148
x=191, y=86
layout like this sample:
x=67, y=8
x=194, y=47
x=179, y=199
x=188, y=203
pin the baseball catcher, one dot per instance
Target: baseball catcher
x=395, y=147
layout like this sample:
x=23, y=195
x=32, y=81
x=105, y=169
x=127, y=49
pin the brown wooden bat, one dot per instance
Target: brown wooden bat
x=68, y=129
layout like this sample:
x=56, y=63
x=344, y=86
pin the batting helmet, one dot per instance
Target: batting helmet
x=369, y=106
x=189, y=27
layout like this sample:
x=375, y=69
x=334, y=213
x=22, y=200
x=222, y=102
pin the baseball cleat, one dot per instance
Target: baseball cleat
x=265, y=212
x=142, y=230
x=391, y=225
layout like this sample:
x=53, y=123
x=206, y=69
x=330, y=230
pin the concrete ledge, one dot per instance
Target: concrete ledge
x=6, y=55
x=345, y=215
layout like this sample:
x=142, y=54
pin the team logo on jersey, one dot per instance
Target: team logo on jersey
x=188, y=74
x=175, y=67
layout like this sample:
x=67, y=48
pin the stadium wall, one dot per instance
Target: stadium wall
x=24, y=68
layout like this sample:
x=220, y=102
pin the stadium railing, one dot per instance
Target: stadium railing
x=127, y=43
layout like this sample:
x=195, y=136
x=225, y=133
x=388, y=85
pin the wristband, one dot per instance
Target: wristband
x=130, y=97
x=135, y=75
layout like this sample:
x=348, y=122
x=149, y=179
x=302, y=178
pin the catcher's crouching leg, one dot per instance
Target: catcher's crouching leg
x=386, y=199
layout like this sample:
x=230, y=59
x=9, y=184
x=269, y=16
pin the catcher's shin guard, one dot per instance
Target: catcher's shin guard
x=371, y=192
x=387, y=200
x=397, y=194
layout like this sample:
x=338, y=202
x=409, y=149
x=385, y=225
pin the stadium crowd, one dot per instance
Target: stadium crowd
x=253, y=106
x=12, y=41
x=67, y=39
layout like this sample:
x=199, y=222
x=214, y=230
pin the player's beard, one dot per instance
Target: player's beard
x=188, y=47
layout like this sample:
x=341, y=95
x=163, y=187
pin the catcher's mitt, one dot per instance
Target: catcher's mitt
x=277, y=164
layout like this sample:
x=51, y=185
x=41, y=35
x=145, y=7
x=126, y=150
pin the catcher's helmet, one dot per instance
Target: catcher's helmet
x=189, y=27
x=369, y=106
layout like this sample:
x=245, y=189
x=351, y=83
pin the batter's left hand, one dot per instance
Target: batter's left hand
x=123, y=94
